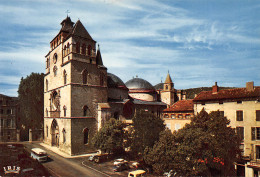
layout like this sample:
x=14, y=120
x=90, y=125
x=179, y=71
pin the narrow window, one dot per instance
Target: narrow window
x=239, y=115
x=89, y=50
x=64, y=110
x=64, y=135
x=257, y=115
x=47, y=129
x=173, y=116
x=65, y=50
x=77, y=47
x=85, y=76
x=47, y=112
x=65, y=77
x=83, y=49
x=85, y=110
x=68, y=48
x=86, y=133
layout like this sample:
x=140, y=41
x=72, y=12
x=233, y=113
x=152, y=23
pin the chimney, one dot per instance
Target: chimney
x=250, y=86
x=215, y=88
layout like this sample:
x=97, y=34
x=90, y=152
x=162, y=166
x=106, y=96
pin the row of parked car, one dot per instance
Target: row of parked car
x=119, y=164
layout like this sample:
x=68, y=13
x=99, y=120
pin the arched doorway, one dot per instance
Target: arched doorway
x=54, y=133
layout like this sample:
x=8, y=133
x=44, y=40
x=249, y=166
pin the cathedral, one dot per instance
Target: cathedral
x=80, y=96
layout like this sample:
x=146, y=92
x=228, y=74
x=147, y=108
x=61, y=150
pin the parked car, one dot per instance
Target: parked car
x=99, y=158
x=136, y=173
x=121, y=167
x=119, y=161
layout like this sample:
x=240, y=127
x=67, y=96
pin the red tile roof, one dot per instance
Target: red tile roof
x=238, y=93
x=180, y=106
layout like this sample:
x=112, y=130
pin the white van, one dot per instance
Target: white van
x=39, y=154
x=136, y=173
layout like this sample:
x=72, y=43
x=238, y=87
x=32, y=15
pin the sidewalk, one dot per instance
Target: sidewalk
x=63, y=154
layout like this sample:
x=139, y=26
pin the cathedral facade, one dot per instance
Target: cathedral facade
x=80, y=96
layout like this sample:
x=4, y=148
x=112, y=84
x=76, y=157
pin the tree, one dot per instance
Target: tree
x=161, y=156
x=146, y=130
x=110, y=138
x=207, y=146
x=30, y=95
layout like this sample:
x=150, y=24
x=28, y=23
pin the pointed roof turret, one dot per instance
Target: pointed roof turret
x=67, y=25
x=99, y=57
x=168, y=79
x=80, y=30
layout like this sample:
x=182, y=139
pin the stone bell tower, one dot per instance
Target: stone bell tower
x=168, y=92
x=75, y=82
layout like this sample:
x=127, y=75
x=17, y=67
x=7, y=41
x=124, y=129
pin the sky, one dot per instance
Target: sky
x=198, y=42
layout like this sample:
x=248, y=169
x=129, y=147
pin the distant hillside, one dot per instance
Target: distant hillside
x=190, y=93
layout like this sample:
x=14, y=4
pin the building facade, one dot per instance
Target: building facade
x=242, y=107
x=8, y=119
x=178, y=115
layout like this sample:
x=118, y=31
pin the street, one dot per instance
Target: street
x=59, y=166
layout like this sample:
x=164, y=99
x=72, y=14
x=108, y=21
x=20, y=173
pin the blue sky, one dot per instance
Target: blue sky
x=199, y=42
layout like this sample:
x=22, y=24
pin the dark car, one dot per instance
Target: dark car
x=121, y=167
x=99, y=158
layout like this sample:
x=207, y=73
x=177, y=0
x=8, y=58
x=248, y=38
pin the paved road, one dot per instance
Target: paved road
x=62, y=167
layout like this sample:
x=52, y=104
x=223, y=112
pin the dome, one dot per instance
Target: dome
x=114, y=81
x=139, y=84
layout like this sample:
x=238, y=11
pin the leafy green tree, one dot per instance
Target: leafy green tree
x=146, y=130
x=161, y=156
x=207, y=146
x=31, y=101
x=110, y=138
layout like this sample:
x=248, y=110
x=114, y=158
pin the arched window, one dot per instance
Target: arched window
x=64, y=135
x=65, y=77
x=86, y=133
x=55, y=58
x=85, y=76
x=83, y=49
x=89, y=49
x=64, y=110
x=78, y=47
x=85, y=110
x=68, y=48
x=65, y=50
x=47, y=85
x=55, y=70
